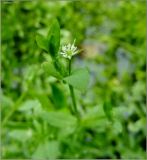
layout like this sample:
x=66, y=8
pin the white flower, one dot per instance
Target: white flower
x=69, y=50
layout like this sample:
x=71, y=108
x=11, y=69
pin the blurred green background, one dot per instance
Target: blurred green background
x=112, y=36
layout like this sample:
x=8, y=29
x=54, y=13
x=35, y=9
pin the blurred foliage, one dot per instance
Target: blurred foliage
x=35, y=107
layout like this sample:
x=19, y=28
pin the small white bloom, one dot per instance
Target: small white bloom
x=69, y=50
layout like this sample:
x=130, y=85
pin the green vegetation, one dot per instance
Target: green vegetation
x=91, y=108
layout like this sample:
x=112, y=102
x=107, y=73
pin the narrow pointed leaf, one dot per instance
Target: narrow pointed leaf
x=42, y=42
x=54, y=38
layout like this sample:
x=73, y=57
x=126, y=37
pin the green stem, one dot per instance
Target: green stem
x=69, y=66
x=73, y=100
x=73, y=94
x=14, y=108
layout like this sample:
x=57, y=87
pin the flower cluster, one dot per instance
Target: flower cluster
x=69, y=50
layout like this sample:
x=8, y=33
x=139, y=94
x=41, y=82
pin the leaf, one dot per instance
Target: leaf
x=59, y=119
x=29, y=105
x=117, y=127
x=49, y=68
x=58, y=97
x=108, y=109
x=44, y=100
x=64, y=132
x=54, y=38
x=42, y=42
x=60, y=66
x=47, y=150
x=6, y=101
x=78, y=79
x=95, y=118
x=137, y=126
x=21, y=134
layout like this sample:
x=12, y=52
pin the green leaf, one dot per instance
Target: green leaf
x=20, y=134
x=108, y=109
x=59, y=65
x=95, y=118
x=58, y=96
x=49, y=68
x=54, y=38
x=44, y=100
x=29, y=105
x=47, y=150
x=59, y=119
x=117, y=127
x=78, y=79
x=42, y=42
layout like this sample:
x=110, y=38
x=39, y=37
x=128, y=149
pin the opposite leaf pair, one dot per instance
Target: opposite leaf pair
x=51, y=44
